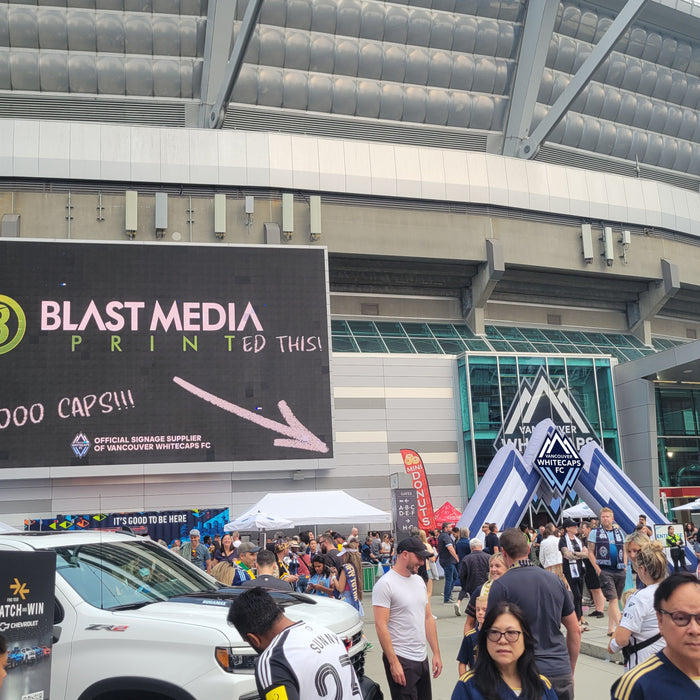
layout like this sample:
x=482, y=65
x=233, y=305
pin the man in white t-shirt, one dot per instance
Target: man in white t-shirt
x=297, y=661
x=405, y=624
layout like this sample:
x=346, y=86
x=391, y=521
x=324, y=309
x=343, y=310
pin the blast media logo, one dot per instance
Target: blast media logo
x=558, y=461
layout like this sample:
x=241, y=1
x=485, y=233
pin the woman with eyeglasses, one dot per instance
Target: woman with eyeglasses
x=637, y=635
x=505, y=667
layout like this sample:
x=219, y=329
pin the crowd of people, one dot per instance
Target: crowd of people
x=328, y=565
x=525, y=593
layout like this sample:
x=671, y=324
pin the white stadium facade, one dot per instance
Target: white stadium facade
x=508, y=192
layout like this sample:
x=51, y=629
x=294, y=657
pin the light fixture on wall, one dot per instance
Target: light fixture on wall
x=624, y=242
x=607, y=239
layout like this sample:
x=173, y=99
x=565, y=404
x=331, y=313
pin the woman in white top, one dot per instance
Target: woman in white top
x=550, y=556
x=637, y=635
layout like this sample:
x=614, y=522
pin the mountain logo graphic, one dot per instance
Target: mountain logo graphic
x=539, y=398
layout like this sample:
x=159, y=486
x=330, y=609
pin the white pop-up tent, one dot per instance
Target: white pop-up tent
x=320, y=508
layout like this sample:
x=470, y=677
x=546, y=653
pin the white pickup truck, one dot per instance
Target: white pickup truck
x=133, y=620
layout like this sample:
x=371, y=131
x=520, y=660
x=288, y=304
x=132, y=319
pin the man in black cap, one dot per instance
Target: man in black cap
x=404, y=624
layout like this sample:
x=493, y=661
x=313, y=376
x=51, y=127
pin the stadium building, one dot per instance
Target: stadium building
x=508, y=192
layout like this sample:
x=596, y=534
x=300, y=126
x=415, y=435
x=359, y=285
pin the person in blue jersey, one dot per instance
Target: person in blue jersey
x=505, y=668
x=673, y=672
x=297, y=661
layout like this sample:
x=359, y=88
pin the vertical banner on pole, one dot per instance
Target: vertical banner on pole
x=415, y=469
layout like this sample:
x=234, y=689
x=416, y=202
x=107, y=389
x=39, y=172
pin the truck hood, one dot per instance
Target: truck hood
x=211, y=610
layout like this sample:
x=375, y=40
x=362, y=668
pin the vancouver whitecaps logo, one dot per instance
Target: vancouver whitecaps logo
x=80, y=445
x=558, y=462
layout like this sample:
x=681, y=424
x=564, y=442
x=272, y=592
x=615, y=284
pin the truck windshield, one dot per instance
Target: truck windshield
x=110, y=575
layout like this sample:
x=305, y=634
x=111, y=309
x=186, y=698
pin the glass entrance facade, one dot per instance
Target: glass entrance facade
x=678, y=430
x=490, y=384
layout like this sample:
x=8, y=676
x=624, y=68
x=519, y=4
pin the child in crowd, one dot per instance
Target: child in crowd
x=468, y=649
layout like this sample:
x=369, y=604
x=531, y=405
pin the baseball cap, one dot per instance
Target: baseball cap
x=194, y=532
x=413, y=544
x=247, y=547
x=568, y=522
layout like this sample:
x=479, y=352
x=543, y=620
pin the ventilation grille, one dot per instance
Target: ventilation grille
x=578, y=159
x=297, y=122
x=92, y=109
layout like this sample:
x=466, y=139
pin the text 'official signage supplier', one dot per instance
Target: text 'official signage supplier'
x=125, y=353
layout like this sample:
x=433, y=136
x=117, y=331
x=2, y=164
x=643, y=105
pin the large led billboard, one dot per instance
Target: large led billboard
x=146, y=353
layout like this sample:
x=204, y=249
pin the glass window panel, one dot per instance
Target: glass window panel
x=556, y=367
x=598, y=339
x=646, y=351
x=612, y=448
x=339, y=328
x=402, y=345
x=476, y=345
x=509, y=380
x=577, y=338
x=492, y=332
x=500, y=345
x=533, y=334
x=443, y=330
x=632, y=353
x=570, y=349
x=677, y=411
x=636, y=342
x=618, y=339
x=485, y=400
x=659, y=344
x=368, y=344
x=343, y=344
x=464, y=331
x=605, y=394
x=679, y=461
x=363, y=327
x=529, y=366
x=387, y=328
x=426, y=346
x=583, y=389
x=546, y=347
x=510, y=333
x=464, y=396
x=522, y=346
x=554, y=335
x=591, y=350
x=483, y=448
x=452, y=346
x=420, y=330
x=617, y=353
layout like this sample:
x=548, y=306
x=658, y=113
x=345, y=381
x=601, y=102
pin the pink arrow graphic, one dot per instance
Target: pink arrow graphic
x=301, y=437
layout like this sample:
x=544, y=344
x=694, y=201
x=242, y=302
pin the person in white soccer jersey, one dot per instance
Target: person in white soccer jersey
x=297, y=661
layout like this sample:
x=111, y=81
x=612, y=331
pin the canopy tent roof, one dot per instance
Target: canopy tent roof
x=693, y=505
x=580, y=510
x=320, y=508
x=447, y=513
